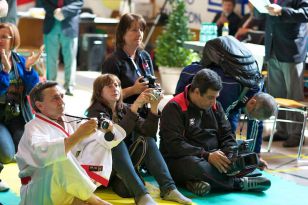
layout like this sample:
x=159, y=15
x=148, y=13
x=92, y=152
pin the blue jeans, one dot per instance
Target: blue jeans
x=154, y=162
x=10, y=135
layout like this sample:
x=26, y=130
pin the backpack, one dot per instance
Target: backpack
x=234, y=58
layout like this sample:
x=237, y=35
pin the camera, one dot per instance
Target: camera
x=102, y=122
x=242, y=160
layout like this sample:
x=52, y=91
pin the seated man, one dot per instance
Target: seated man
x=49, y=172
x=194, y=130
x=234, y=98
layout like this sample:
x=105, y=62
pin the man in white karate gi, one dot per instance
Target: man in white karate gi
x=49, y=172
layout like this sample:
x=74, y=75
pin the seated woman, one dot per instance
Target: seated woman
x=106, y=101
x=17, y=78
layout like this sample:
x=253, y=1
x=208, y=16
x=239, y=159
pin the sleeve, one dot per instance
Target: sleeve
x=72, y=9
x=295, y=14
x=111, y=65
x=45, y=149
x=4, y=82
x=226, y=137
x=172, y=131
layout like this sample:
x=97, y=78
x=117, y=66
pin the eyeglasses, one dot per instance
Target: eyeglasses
x=5, y=37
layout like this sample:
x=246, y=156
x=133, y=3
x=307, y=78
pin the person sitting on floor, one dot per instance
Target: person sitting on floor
x=194, y=133
x=139, y=146
x=49, y=172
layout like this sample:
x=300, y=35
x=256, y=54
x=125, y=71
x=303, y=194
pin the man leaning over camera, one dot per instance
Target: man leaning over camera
x=194, y=130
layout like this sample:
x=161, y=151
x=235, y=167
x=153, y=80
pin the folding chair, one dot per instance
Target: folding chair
x=290, y=106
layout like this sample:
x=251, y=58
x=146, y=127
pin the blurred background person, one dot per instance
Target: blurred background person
x=227, y=15
x=61, y=29
x=250, y=23
x=10, y=11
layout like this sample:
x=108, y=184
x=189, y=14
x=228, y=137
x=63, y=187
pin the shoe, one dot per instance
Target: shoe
x=199, y=188
x=276, y=137
x=175, y=195
x=145, y=200
x=256, y=184
x=3, y=186
x=69, y=92
x=292, y=141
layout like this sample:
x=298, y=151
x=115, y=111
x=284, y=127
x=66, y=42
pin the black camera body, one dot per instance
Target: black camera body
x=102, y=122
x=242, y=160
x=151, y=83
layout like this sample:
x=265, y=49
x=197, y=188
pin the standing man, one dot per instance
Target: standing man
x=286, y=50
x=61, y=28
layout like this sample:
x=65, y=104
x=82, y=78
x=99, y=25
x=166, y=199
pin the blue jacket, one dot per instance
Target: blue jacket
x=29, y=79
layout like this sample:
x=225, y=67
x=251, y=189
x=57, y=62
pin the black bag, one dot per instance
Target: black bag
x=234, y=58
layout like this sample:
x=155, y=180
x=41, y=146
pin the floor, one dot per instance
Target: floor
x=282, y=161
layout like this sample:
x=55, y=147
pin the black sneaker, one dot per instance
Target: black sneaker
x=199, y=188
x=255, y=184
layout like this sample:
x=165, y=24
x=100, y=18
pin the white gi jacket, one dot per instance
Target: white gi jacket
x=52, y=177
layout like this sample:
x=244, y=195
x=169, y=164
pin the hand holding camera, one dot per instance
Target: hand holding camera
x=219, y=160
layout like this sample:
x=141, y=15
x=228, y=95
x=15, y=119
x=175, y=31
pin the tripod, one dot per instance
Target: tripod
x=155, y=22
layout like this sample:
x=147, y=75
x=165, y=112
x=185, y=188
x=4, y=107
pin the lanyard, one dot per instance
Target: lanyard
x=136, y=67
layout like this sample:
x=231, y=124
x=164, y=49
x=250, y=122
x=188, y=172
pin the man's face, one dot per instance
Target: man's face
x=227, y=7
x=53, y=104
x=252, y=111
x=206, y=100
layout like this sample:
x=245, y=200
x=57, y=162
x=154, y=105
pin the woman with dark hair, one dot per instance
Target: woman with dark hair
x=107, y=101
x=130, y=62
x=17, y=78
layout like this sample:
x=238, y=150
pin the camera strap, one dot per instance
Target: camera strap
x=136, y=67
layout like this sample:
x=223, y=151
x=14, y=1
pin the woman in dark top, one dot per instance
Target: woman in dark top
x=130, y=63
x=107, y=101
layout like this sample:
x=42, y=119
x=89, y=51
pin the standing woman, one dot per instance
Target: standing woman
x=130, y=63
x=17, y=78
x=107, y=101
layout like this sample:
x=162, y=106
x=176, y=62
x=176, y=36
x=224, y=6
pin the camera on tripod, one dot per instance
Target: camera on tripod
x=242, y=160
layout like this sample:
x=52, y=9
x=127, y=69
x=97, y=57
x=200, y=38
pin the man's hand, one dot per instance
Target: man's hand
x=274, y=9
x=58, y=14
x=219, y=160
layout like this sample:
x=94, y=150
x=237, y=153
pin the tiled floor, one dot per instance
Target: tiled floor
x=282, y=161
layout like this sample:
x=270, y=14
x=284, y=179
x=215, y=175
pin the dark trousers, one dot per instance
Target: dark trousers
x=192, y=168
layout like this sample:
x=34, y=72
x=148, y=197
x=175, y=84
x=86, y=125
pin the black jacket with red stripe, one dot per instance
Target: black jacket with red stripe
x=187, y=130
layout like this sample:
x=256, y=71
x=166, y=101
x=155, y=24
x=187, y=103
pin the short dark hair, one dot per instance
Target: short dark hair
x=266, y=105
x=36, y=94
x=125, y=23
x=232, y=1
x=206, y=79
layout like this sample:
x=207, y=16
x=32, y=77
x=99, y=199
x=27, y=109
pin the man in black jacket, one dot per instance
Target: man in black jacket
x=194, y=132
x=286, y=50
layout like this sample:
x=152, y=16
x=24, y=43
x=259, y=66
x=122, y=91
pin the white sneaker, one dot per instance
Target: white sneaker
x=3, y=186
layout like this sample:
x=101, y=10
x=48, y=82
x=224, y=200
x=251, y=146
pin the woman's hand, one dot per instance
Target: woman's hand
x=143, y=98
x=140, y=85
x=5, y=60
x=156, y=97
x=33, y=58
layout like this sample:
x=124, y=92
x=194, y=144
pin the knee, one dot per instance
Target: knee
x=6, y=158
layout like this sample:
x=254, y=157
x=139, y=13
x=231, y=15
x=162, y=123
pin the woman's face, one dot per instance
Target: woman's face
x=134, y=35
x=5, y=39
x=111, y=93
